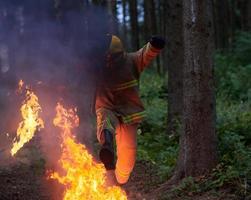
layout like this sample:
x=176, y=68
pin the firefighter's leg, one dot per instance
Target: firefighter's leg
x=106, y=120
x=106, y=123
x=126, y=139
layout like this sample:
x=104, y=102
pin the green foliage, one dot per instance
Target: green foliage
x=187, y=186
x=159, y=149
x=242, y=47
x=233, y=70
x=153, y=142
x=153, y=92
x=233, y=124
x=234, y=118
x=234, y=153
x=234, y=136
x=234, y=146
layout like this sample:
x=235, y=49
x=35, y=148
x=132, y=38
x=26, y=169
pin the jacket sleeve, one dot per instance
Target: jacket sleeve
x=144, y=56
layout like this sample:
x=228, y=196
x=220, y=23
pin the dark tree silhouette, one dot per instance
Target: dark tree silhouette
x=198, y=153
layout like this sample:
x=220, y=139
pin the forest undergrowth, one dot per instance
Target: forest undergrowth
x=233, y=125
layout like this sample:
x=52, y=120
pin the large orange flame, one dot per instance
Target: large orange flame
x=84, y=178
x=30, y=110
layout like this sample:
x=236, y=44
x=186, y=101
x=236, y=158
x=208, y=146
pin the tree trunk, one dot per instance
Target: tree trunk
x=124, y=23
x=150, y=24
x=175, y=62
x=134, y=24
x=165, y=28
x=160, y=29
x=248, y=18
x=100, y=2
x=198, y=153
x=222, y=22
x=66, y=6
x=232, y=22
x=246, y=15
x=112, y=15
x=160, y=17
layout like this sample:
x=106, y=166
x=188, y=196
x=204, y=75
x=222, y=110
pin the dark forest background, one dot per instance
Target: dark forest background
x=197, y=93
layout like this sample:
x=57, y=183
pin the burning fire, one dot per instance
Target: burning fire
x=20, y=85
x=84, y=178
x=30, y=110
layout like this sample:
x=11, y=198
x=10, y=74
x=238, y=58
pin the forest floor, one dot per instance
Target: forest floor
x=145, y=183
x=25, y=179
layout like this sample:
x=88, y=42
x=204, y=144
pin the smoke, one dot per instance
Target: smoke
x=58, y=50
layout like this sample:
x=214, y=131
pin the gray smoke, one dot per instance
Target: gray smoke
x=58, y=52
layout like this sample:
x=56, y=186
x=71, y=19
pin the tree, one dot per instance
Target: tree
x=164, y=29
x=134, y=24
x=245, y=7
x=222, y=22
x=64, y=6
x=99, y=2
x=198, y=140
x=111, y=8
x=175, y=63
x=248, y=18
x=150, y=23
x=124, y=25
x=112, y=12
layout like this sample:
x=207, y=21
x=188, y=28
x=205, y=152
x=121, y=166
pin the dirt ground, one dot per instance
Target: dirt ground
x=25, y=180
x=20, y=182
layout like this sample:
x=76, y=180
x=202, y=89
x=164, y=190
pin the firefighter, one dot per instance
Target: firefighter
x=119, y=109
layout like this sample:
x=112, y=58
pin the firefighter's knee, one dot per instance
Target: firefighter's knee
x=125, y=163
x=106, y=120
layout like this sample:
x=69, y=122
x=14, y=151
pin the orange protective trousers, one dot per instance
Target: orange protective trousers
x=126, y=141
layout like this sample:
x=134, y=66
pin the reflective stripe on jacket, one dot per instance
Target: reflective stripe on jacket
x=119, y=85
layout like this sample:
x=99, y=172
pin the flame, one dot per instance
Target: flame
x=20, y=86
x=84, y=178
x=30, y=110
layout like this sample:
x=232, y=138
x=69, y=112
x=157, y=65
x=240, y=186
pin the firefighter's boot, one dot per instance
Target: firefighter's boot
x=106, y=153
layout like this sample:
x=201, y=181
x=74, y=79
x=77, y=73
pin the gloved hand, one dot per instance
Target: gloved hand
x=157, y=42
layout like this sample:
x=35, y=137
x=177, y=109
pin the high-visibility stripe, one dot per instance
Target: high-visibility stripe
x=127, y=85
x=135, y=114
x=107, y=123
x=101, y=124
x=121, y=177
x=129, y=82
x=134, y=117
x=123, y=174
x=130, y=118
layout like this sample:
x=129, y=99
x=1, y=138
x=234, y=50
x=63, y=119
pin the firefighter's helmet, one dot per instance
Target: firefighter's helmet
x=116, y=45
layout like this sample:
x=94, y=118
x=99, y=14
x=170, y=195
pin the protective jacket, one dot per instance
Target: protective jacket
x=118, y=90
